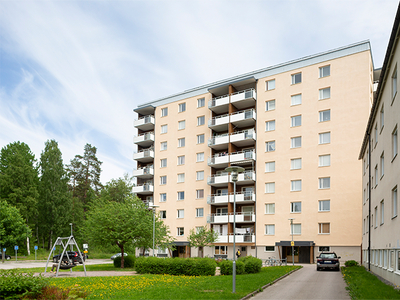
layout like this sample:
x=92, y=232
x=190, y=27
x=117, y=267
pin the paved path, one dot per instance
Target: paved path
x=307, y=283
x=12, y=264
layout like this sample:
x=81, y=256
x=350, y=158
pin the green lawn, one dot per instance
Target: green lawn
x=172, y=287
x=79, y=268
x=363, y=285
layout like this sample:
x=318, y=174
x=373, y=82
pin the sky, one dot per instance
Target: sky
x=73, y=71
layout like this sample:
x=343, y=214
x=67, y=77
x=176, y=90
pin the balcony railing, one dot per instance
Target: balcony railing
x=220, y=120
x=219, y=140
x=144, y=138
x=243, y=238
x=144, y=155
x=144, y=123
x=240, y=96
x=147, y=171
x=243, y=95
x=243, y=115
x=240, y=217
x=224, y=178
x=146, y=188
x=223, y=199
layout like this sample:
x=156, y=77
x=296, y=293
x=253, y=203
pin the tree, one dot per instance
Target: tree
x=55, y=205
x=127, y=223
x=117, y=189
x=202, y=237
x=13, y=230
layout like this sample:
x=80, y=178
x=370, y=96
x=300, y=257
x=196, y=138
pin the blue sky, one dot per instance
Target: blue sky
x=74, y=71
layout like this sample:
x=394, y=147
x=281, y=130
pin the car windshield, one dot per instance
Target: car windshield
x=328, y=255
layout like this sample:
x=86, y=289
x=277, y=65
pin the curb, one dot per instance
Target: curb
x=267, y=285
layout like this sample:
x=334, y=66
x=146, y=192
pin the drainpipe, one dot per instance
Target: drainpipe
x=369, y=201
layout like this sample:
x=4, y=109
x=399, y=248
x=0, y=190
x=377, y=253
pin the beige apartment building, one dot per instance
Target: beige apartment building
x=295, y=128
x=381, y=171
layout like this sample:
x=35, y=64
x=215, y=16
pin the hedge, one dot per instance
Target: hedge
x=244, y=265
x=129, y=261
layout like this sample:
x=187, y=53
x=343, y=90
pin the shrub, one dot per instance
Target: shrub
x=14, y=284
x=251, y=264
x=351, y=263
x=129, y=261
x=226, y=267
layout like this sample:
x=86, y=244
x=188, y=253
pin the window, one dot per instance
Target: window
x=270, y=125
x=180, y=231
x=394, y=83
x=164, y=112
x=200, y=139
x=295, y=164
x=221, y=250
x=394, y=143
x=376, y=134
x=201, y=102
x=200, y=157
x=269, y=249
x=324, y=183
x=376, y=217
x=269, y=105
x=270, y=85
x=181, y=196
x=270, y=166
x=382, y=212
x=163, y=163
x=295, y=185
x=376, y=175
x=324, y=71
x=324, y=160
x=163, y=214
x=164, y=129
x=324, y=205
x=324, y=93
x=296, y=78
x=382, y=164
x=295, y=121
x=181, y=177
x=382, y=113
x=181, y=213
x=295, y=207
x=325, y=138
x=181, y=125
x=269, y=146
x=270, y=187
x=295, y=99
x=270, y=208
x=324, y=248
x=163, y=146
x=199, y=212
x=163, y=180
x=181, y=107
x=324, y=228
x=200, y=175
x=181, y=160
x=394, y=202
x=181, y=142
x=163, y=197
x=270, y=229
x=201, y=120
x=295, y=142
x=200, y=194
x=325, y=115
x=295, y=229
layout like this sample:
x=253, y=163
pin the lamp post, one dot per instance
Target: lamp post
x=234, y=170
x=153, y=207
x=291, y=226
x=70, y=224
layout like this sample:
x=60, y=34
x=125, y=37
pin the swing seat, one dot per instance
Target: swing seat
x=66, y=267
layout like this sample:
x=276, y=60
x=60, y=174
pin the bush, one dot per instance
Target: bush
x=226, y=267
x=129, y=261
x=251, y=264
x=351, y=263
x=14, y=284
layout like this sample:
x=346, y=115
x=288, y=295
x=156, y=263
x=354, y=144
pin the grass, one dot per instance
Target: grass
x=363, y=285
x=172, y=287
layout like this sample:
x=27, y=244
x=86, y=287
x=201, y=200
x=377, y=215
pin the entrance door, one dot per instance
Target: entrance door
x=289, y=254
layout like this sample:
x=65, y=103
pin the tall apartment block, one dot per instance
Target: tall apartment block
x=295, y=128
x=381, y=172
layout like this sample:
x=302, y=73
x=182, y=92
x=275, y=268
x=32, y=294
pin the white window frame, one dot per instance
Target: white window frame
x=295, y=121
x=269, y=249
x=295, y=164
x=163, y=163
x=163, y=146
x=270, y=85
x=296, y=229
x=182, y=107
x=321, y=228
x=270, y=105
x=395, y=145
x=295, y=99
x=321, y=206
x=395, y=202
x=324, y=183
x=270, y=187
x=199, y=175
x=269, y=167
x=164, y=112
x=295, y=207
x=269, y=208
x=269, y=229
x=200, y=194
x=382, y=158
x=394, y=83
x=270, y=146
x=164, y=129
x=181, y=160
x=325, y=115
x=199, y=212
x=270, y=125
x=200, y=139
x=324, y=160
x=201, y=102
x=325, y=93
x=163, y=180
x=324, y=138
x=382, y=205
x=163, y=197
x=295, y=185
x=296, y=78
x=200, y=157
x=180, y=214
x=295, y=142
x=181, y=125
x=181, y=177
x=201, y=120
x=324, y=71
x=163, y=214
x=180, y=195
x=181, y=142
x=180, y=231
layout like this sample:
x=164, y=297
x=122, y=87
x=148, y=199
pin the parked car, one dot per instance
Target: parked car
x=73, y=256
x=328, y=260
x=118, y=255
x=7, y=257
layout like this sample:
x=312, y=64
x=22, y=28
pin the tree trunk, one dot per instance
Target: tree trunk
x=121, y=246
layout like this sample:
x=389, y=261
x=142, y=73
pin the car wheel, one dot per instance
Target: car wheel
x=318, y=269
x=8, y=258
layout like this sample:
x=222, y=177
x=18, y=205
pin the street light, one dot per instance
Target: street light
x=70, y=224
x=234, y=170
x=153, y=207
x=291, y=225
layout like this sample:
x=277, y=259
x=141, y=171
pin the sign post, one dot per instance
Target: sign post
x=36, y=247
x=16, y=251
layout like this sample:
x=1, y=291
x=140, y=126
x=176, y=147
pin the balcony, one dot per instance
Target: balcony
x=243, y=138
x=220, y=160
x=242, y=156
x=243, y=217
x=219, y=105
x=222, y=239
x=146, y=155
x=243, y=238
x=145, y=139
x=145, y=189
x=247, y=177
x=145, y=123
x=218, y=180
x=219, y=123
x=219, y=142
x=243, y=198
x=218, y=199
x=217, y=218
x=243, y=99
x=244, y=118
x=146, y=172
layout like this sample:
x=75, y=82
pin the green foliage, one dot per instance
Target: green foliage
x=226, y=267
x=251, y=264
x=351, y=263
x=176, y=266
x=52, y=292
x=129, y=262
x=117, y=189
x=14, y=284
x=202, y=237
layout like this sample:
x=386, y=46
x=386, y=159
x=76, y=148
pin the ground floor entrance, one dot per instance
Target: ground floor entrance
x=301, y=252
x=182, y=250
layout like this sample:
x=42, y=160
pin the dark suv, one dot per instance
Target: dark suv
x=328, y=260
x=73, y=256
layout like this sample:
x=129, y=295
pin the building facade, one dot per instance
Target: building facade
x=381, y=171
x=295, y=128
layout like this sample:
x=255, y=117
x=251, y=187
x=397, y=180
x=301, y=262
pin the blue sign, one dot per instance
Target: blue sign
x=36, y=247
x=15, y=247
x=4, y=249
x=54, y=248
